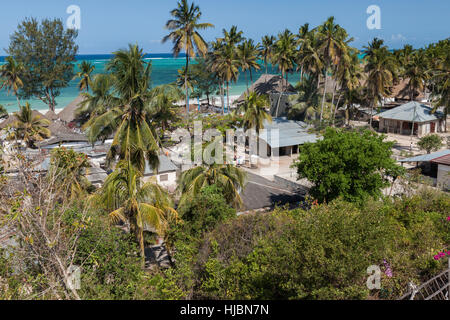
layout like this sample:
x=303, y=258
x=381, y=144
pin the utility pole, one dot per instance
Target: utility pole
x=412, y=129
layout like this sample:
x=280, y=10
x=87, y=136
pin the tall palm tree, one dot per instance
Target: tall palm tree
x=379, y=69
x=247, y=53
x=185, y=36
x=228, y=177
x=134, y=136
x=332, y=46
x=100, y=100
x=284, y=53
x=416, y=71
x=232, y=37
x=86, y=69
x=305, y=104
x=255, y=114
x=162, y=105
x=10, y=77
x=309, y=56
x=266, y=49
x=140, y=205
x=302, y=42
x=348, y=75
x=227, y=66
x=28, y=127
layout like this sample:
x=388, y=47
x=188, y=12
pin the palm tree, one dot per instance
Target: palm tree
x=306, y=103
x=441, y=77
x=255, y=114
x=232, y=37
x=266, y=49
x=348, y=75
x=302, y=41
x=226, y=65
x=309, y=56
x=185, y=36
x=140, y=205
x=247, y=54
x=416, y=70
x=86, y=69
x=100, y=100
x=379, y=68
x=3, y=112
x=29, y=128
x=228, y=177
x=162, y=105
x=284, y=53
x=134, y=136
x=10, y=77
x=332, y=46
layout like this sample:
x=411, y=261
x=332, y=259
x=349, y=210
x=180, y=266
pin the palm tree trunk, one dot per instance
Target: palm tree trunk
x=185, y=82
x=246, y=80
x=301, y=73
x=265, y=63
x=228, y=97
x=371, y=112
x=222, y=96
x=336, y=107
x=324, y=94
x=251, y=76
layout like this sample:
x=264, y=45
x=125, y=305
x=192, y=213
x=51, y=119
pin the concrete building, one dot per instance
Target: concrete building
x=400, y=120
x=443, y=174
x=281, y=137
x=166, y=175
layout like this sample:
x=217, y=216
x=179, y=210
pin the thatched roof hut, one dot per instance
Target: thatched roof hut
x=402, y=92
x=51, y=115
x=268, y=83
x=68, y=113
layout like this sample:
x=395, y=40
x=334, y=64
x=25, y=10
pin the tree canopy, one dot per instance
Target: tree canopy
x=46, y=51
x=351, y=164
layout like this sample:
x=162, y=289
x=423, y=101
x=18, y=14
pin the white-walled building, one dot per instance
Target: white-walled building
x=443, y=175
x=166, y=175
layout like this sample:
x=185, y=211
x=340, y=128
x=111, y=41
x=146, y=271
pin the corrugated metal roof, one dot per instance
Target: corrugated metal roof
x=411, y=111
x=442, y=160
x=290, y=133
x=165, y=165
x=427, y=157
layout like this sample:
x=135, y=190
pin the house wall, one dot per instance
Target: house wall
x=167, y=180
x=443, y=177
x=403, y=127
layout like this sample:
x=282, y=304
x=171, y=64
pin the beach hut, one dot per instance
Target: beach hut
x=400, y=120
x=166, y=175
x=68, y=113
x=443, y=173
x=51, y=115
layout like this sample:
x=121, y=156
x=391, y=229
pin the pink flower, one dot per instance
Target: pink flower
x=448, y=218
x=436, y=257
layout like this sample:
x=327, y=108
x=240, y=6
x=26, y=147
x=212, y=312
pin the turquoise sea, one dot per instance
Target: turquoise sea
x=164, y=70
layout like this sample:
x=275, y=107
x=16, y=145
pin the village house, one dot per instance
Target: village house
x=400, y=120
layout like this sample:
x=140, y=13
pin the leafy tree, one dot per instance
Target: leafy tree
x=206, y=210
x=28, y=127
x=431, y=142
x=353, y=165
x=305, y=104
x=46, y=51
x=86, y=69
x=205, y=81
x=10, y=77
x=184, y=34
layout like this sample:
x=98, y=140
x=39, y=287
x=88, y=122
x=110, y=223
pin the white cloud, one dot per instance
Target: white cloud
x=398, y=37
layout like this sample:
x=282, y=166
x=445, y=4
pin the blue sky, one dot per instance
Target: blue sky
x=109, y=25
